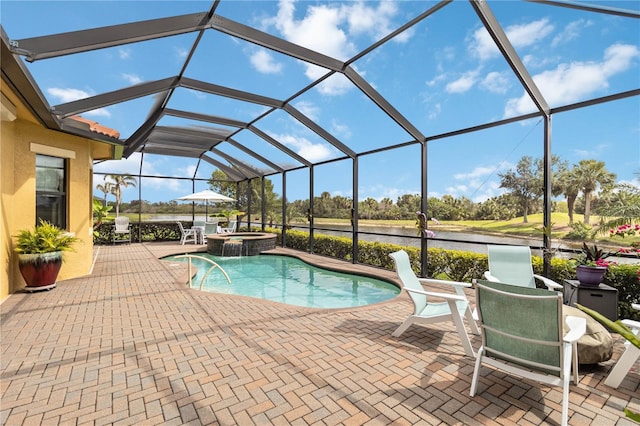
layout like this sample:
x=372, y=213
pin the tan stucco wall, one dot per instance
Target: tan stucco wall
x=17, y=192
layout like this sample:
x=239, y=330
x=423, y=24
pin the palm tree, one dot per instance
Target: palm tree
x=106, y=188
x=590, y=175
x=119, y=182
x=624, y=207
x=570, y=185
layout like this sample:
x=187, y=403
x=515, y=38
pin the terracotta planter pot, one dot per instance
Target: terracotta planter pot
x=40, y=271
x=590, y=275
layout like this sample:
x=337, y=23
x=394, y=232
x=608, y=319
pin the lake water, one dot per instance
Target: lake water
x=406, y=236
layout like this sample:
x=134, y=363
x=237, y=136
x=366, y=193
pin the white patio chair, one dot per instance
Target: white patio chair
x=210, y=228
x=121, y=229
x=512, y=264
x=454, y=308
x=187, y=234
x=231, y=227
x=630, y=355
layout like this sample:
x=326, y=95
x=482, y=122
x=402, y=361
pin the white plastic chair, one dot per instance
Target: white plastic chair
x=522, y=334
x=454, y=308
x=187, y=234
x=231, y=227
x=512, y=264
x=210, y=228
x=630, y=355
x=121, y=228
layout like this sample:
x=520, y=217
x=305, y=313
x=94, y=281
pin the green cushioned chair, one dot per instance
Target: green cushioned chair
x=522, y=334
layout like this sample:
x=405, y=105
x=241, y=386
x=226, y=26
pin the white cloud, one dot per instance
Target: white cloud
x=318, y=30
x=181, y=52
x=595, y=151
x=495, y=82
x=374, y=21
x=479, y=184
x=330, y=29
x=571, y=31
x=483, y=47
x=131, y=78
x=435, y=111
x=528, y=34
x=436, y=80
x=476, y=190
x=198, y=94
x=67, y=95
x=70, y=95
x=337, y=84
x=128, y=166
x=464, y=83
x=304, y=147
x=571, y=82
x=340, y=129
x=308, y=109
x=476, y=173
x=263, y=61
x=131, y=166
x=124, y=53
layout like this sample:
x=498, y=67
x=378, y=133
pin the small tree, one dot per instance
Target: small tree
x=119, y=182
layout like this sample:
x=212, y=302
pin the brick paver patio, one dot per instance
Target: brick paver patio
x=129, y=345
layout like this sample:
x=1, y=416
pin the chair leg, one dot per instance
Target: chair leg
x=622, y=367
x=570, y=359
x=462, y=331
x=574, y=363
x=565, y=400
x=476, y=372
x=472, y=321
x=403, y=327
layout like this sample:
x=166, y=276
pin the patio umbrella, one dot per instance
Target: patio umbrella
x=206, y=196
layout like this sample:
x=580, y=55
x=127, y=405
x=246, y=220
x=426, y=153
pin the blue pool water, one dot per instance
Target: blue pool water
x=289, y=280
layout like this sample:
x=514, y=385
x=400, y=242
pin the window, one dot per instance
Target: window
x=51, y=190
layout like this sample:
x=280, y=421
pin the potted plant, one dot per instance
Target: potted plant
x=591, y=264
x=40, y=254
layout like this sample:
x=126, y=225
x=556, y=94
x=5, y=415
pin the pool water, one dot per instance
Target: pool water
x=289, y=280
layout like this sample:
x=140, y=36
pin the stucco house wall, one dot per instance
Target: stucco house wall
x=22, y=137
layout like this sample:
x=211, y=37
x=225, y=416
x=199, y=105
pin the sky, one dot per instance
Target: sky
x=443, y=74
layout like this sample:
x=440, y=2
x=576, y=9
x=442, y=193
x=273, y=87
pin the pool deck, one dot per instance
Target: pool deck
x=130, y=345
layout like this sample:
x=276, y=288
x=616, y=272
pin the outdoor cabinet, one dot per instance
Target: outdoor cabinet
x=601, y=298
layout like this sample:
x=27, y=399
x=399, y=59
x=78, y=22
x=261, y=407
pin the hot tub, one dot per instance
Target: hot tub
x=240, y=243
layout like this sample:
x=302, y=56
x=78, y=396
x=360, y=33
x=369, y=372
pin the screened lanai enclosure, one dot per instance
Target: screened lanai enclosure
x=355, y=101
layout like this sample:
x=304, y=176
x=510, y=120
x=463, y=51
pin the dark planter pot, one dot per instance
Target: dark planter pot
x=40, y=271
x=590, y=275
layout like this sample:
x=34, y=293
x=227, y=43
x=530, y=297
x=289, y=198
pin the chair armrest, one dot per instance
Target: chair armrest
x=633, y=325
x=449, y=296
x=577, y=328
x=451, y=283
x=490, y=277
x=551, y=285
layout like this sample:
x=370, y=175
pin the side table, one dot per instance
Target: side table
x=601, y=298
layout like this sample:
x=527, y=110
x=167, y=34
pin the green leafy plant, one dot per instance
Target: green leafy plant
x=44, y=238
x=100, y=212
x=591, y=255
x=622, y=330
x=579, y=231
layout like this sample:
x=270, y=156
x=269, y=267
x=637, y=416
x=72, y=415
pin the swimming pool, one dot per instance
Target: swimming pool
x=289, y=280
